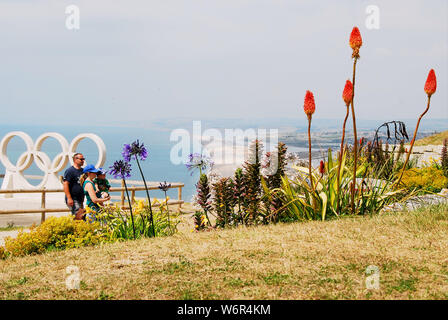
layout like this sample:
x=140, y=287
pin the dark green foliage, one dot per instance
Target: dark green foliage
x=273, y=204
x=400, y=152
x=199, y=221
x=445, y=158
x=252, y=183
x=203, y=194
x=385, y=163
x=223, y=202
x=275, y=180
x=238, y=194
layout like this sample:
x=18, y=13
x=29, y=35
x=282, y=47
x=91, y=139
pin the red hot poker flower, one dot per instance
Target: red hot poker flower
x=431, y=83
x=361, y=141
x=347, y=95
x=355, y=39
x=309, y=107
x=322, y=167
x=355, y=42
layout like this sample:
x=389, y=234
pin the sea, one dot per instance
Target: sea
x=157, y=167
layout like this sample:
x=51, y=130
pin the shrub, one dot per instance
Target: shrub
x=273, y=205
x=252, y=182
x=2, y=253
x=331, y=196
x=427, y=179
x=200, y=221
x=224, y=201
x=203, y=194
x=117, y=221
x=55, y=233
x=444, y=158
x=238, y=194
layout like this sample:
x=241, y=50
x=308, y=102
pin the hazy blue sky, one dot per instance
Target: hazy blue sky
x=143, y=59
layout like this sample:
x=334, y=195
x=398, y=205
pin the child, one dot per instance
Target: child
x=101, y=184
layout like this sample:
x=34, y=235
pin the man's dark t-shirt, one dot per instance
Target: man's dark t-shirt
x=72, y=176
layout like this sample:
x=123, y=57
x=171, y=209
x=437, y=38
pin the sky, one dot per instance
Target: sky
x=136, y=61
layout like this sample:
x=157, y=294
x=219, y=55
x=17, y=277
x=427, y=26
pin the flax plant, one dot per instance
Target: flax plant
x=300, y=203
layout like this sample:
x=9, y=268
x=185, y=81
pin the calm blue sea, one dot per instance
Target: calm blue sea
x=157, y=167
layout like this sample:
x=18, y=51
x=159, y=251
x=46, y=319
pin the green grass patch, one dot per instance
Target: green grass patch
x=275, y=278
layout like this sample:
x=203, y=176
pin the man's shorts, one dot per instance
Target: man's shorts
x=77, y=204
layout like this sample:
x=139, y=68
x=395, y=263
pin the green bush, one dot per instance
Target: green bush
x=444, y=158
x=2, y=253
x=118, y=224
x=55, y=233
x=428, y=179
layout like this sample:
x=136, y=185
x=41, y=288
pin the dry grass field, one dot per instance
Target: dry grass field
x=435, y=139
x=313, y=260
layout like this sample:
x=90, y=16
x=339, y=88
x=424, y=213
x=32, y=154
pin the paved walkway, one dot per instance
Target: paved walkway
x=426, y=154
x=28, y=203
x=26, y=219
x=420, y=201
x=4, y=234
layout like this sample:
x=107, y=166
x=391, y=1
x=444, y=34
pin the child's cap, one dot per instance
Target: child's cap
x=90, y=168
x=101, y=171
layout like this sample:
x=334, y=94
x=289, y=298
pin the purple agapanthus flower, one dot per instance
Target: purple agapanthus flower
x=198, y=161
x=164, y=186
x=121, y=169
x=134, y=149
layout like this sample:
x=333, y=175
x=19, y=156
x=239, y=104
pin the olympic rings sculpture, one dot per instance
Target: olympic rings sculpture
x=14, y=178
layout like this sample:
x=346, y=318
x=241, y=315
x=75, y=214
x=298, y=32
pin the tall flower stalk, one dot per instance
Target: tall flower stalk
x=347, y=96
x=309, y=107
x=430, y=88
x=252, y=182
x=444, y=156
x=164, y=187
x=122, y=170
x=238, y=191
x=198, y=161
x=204, y=195
x=137, y=150
x=223, y=201
x=355, y=43
x=201, y=162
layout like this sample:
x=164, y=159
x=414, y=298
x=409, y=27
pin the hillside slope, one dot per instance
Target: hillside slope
x=313, y=260
x=435, y=139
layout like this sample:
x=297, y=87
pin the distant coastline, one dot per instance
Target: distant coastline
x=159, y=167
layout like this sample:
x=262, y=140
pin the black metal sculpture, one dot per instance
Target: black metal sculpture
x=400, y=133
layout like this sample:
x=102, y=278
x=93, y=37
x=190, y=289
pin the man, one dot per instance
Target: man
x=74, y=194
